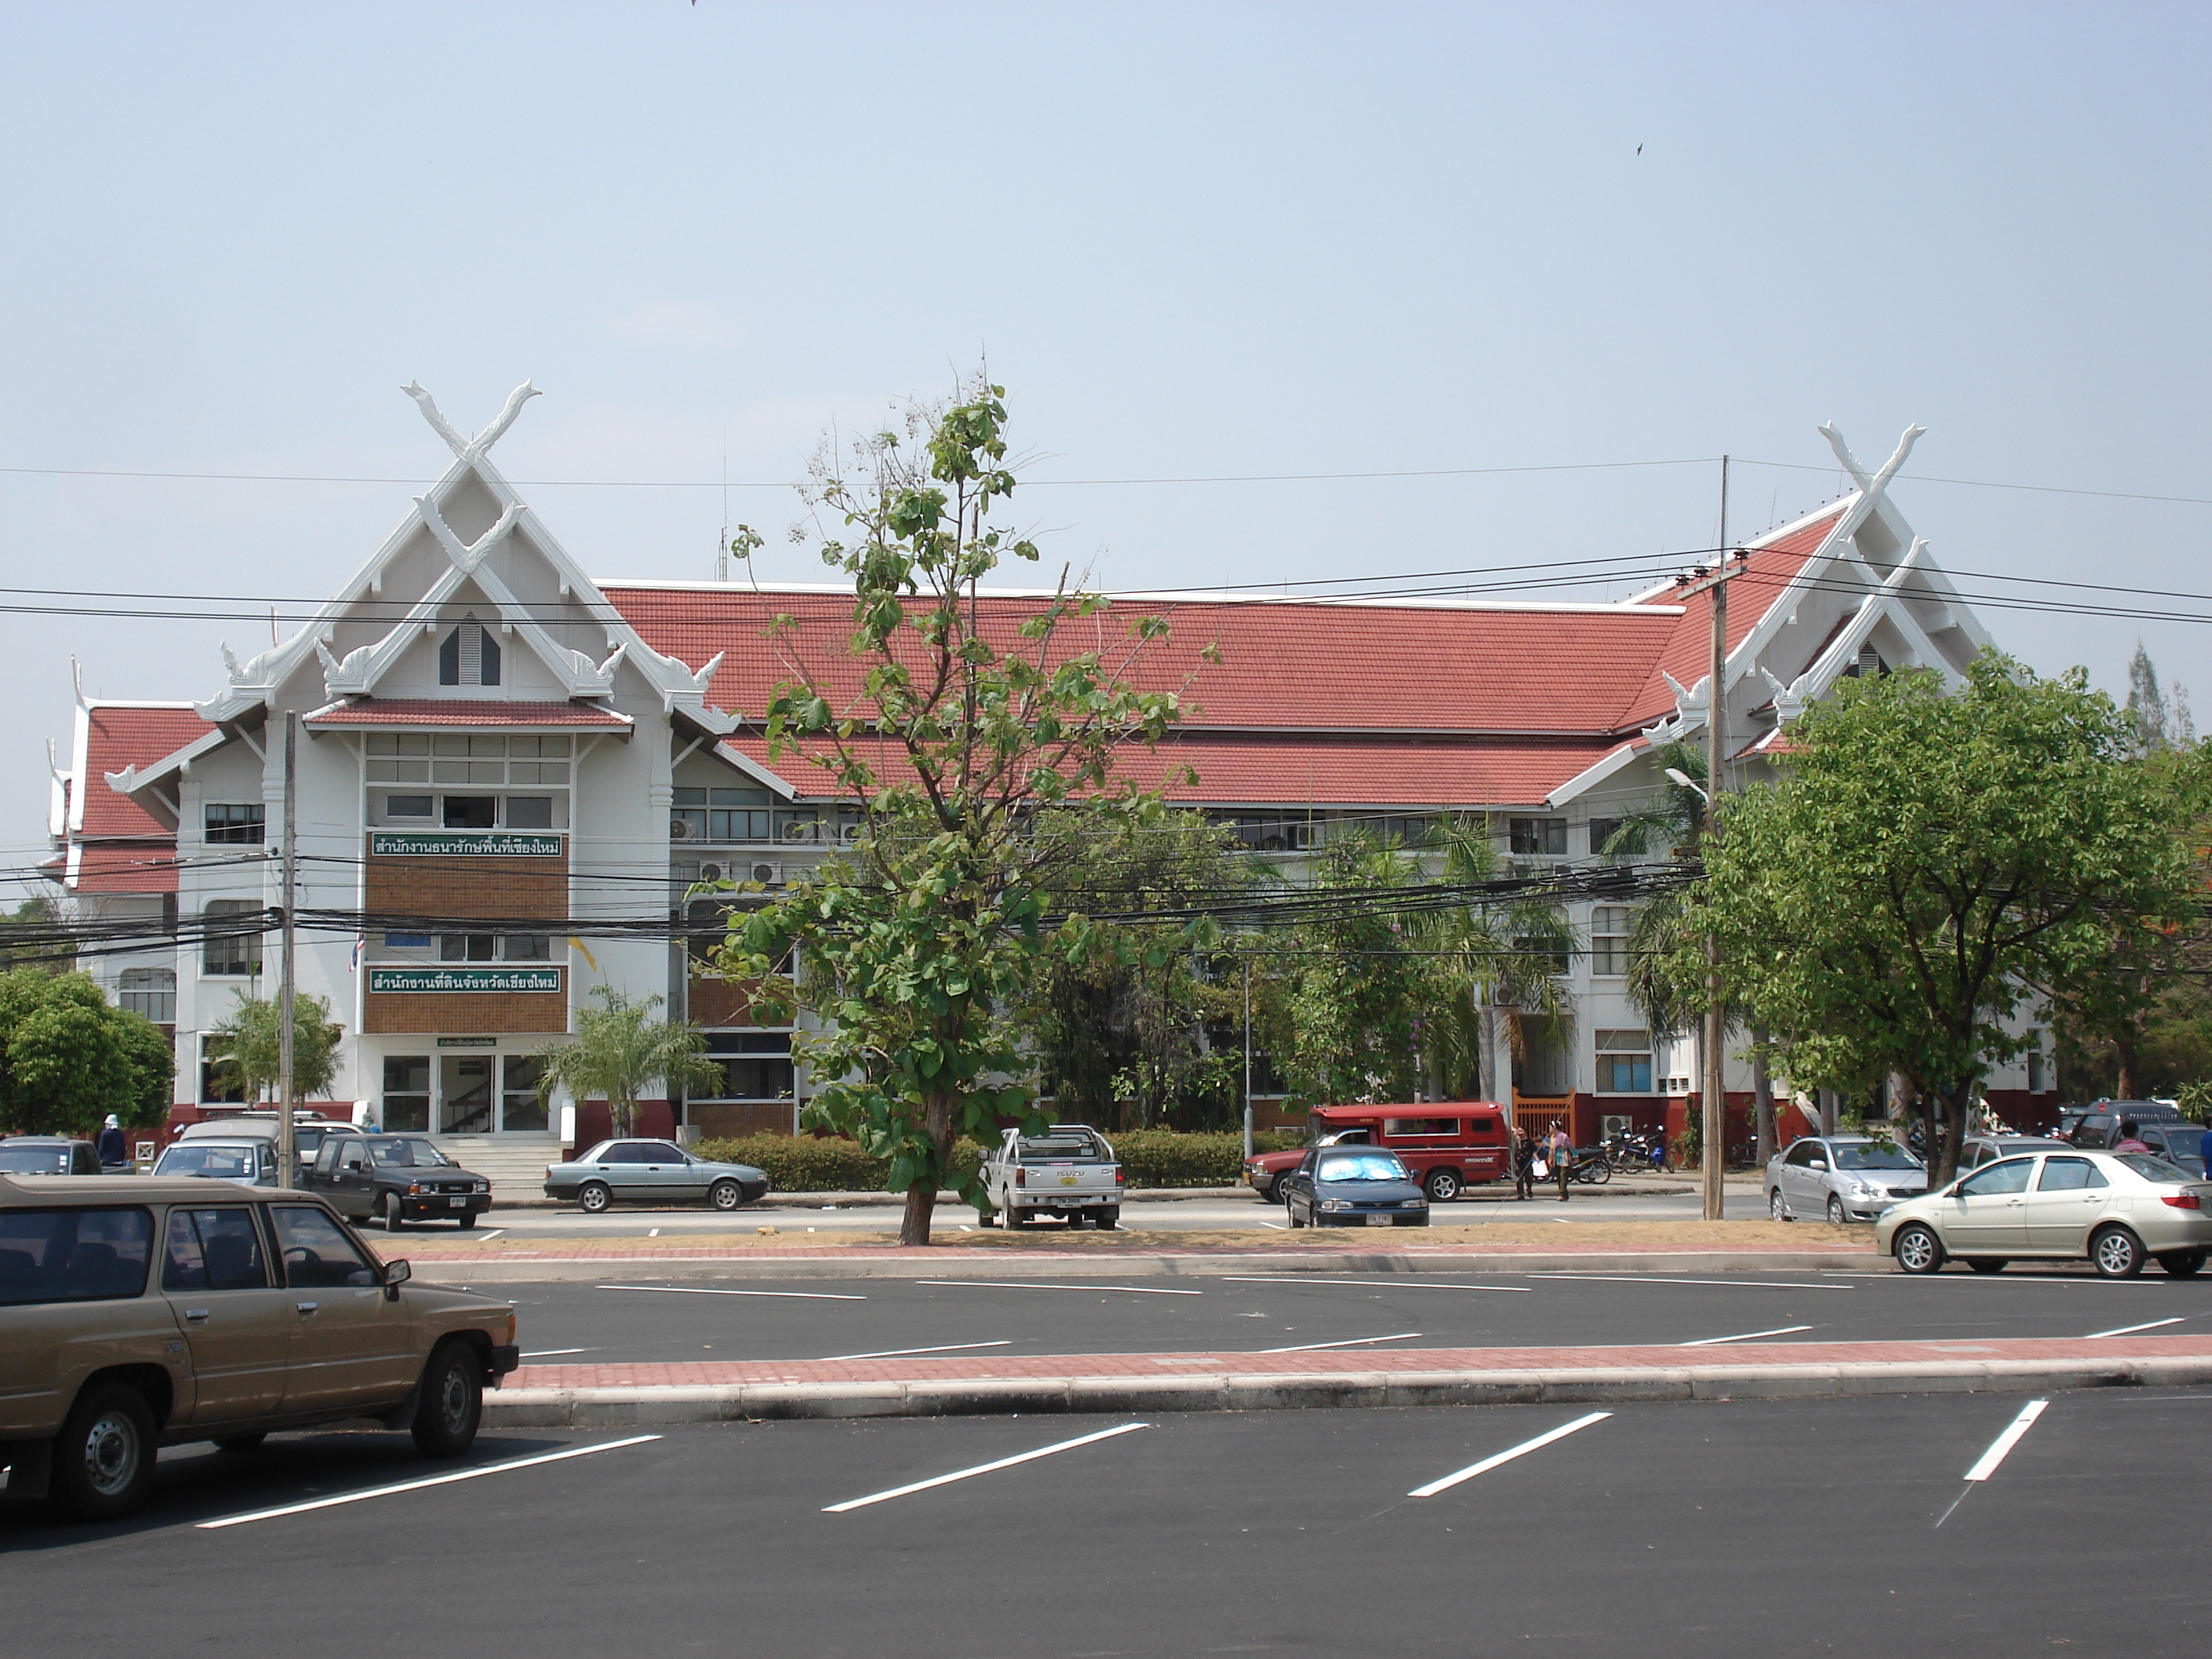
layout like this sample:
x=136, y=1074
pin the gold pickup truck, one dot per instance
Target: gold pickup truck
x=137, y=1313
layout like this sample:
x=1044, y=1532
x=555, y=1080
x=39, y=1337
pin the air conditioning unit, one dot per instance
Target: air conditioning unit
x=766, y=873
x=679, y=830
x=800, y=831
x=714, y=872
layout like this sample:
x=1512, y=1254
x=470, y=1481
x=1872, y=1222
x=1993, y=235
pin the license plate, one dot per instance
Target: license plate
x=1375, y=1220
x=458, y=1203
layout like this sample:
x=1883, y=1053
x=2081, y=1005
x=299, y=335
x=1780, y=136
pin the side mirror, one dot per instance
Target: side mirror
x=396, y=1273
x=1816, y=1164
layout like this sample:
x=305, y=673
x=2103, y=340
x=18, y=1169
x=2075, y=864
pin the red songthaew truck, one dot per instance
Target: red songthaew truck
x=1447, y=1144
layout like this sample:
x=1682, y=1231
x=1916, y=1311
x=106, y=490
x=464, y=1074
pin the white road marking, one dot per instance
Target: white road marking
x=694, y=1290
x=1507, y=1456
x=1040, y=1284
x=652, y=1232
x=1735, y=1283
x=981, y=1468
x=1349, y=1342
x=2126, y=1330
x=548, y=1353
x=2004, y=1443
x=942, y=1348
x=1747, y=1336
x=1275, y=1226
x=487, y=1234
x=1367, y=1284
x=417, y=1486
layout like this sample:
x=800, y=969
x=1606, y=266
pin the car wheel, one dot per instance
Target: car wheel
x=725, y=1195
x=2117, y=1253
x=2183, y=1264
x=1290, y=1215
x=238, y=1442
x=1442, y=1186
x=592, y=1198
x=450, y=1404
x=394, y=1216
x=1917, y=1249
x=1989, y=1264
x=1836, y=1216
x=104, y=1456
x=1107, y=1219
x=1010, y=1217
x=1775, y=1209
x=466, y=1220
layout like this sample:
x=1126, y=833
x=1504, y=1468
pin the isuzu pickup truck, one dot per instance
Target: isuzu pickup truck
x=1069, y=1172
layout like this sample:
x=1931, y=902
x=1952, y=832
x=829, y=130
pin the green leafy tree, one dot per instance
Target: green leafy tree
x=253, y=1048
x=1934, y=864
x=919, y=947
x=68, y=1058
x=36, y=935
x=620, y=1051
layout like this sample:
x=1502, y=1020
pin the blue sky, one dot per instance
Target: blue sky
x=1193, y=240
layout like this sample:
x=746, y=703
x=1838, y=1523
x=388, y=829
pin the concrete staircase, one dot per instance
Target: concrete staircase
x=514, y=1163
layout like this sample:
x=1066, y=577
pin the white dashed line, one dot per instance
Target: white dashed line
x=1734, y=1284
x=942, y=1348
x=548, y=1353
x=697, y=1290
x=2129, y=1330
x=2004, y=1443
x=981, y=1468
x=1287, y=1279
x=1016, y=1284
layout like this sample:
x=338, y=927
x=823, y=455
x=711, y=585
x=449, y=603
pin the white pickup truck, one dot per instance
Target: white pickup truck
x=1069, y=1172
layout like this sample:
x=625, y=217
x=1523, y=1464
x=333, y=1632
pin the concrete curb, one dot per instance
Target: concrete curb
x=1200, y=1391
x=1626, y=1187
x=494, y=1269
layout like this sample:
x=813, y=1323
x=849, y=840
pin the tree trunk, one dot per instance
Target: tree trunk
x=921, y=1197
x=2127, y=1049
x=1948, y=1109
x=1762, y=1095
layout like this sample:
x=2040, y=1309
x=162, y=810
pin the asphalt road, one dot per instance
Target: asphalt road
x=1698, y=1531
x=706, y=1319
x=1234, y=1210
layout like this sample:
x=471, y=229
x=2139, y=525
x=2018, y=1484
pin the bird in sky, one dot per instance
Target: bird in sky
x=1639, y=149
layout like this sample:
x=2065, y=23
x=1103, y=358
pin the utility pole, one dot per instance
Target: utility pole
x=1714, y=1129
x=1247, y=1058
x=288, y=1137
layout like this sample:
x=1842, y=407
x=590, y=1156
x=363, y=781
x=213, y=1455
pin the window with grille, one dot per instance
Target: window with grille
x=756, y=1065
x=149, y=991
x=1624, y=1062
x=230, y=953
x=1537, y=834
x=469, y=656
x=1608, y=937
x=234, y=822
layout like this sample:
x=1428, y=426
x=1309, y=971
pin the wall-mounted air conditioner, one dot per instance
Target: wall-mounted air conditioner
x=679, y=830
x=767, y=874
x=802, y=831
x=711, y=873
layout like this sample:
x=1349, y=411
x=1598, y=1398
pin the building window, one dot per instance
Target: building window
x=1537, y=834
x=410, y=806
x=219, y=1085
x=224, y=952
x=756, y=1065
x=469, y=656
x=1624, y=1062
x=149, y=991
x=526, y=947
x=468, y=947
x=530, y=811
x=719, y=815
x=235, y=823
x=522, y=1108
x=471, y=811
x=1603, y=831
x=2035, y=1072
x=406, y=1094
x=1608, y=937
x=406, y=941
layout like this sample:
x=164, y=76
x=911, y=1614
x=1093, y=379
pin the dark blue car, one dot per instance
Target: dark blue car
x=1353, y=1187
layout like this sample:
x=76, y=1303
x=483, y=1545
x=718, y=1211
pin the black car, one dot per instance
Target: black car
x=402, y=1178
x=48, y=1155
x=2177, y=1143
x=1353, y=1187
x=2098, y=1126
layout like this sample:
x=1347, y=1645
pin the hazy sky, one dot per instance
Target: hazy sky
x=1195, y=241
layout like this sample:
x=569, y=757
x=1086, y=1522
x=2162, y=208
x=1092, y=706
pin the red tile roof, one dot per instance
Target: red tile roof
x=362, y=712
x=118, y=737
x=133, y=867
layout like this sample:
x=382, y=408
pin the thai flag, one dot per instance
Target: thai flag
x=359, y=940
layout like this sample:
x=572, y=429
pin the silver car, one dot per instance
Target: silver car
x=2117, y=1209
x=1842, y=1177
x=635, y=1171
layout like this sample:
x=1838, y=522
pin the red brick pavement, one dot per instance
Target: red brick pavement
x=451, y=1248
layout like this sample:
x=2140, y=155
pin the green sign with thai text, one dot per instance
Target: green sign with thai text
x=465, y=979
x=465, y=844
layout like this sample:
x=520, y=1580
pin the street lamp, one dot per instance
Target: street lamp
x=1687, y=782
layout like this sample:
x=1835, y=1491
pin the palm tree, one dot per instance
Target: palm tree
x=618, y=1050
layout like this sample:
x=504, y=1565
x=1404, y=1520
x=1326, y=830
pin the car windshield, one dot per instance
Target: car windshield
x=394, y=1153
x=2151, y=1167
x=1362, y=1166
x=230, y=1162
x=34, y=1160
x=1874, y=1155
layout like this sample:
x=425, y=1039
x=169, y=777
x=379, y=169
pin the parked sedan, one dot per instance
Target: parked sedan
x=1843, y=1177
x=22, y=1155
x=651, y=1172
x=2116, y=1209
x=1353, y=1187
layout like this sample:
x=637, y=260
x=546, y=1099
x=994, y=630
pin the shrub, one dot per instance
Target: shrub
x=1153, y=1158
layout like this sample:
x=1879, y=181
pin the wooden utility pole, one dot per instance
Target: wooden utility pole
x=288, y=1138
x=1247, y=1058
x=1713, y=1129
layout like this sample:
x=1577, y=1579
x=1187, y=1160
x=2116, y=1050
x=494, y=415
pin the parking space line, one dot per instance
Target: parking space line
x=942, y=1348
x=1367, y=1284
x=698, y=1290
x=1747, y=1336
x=2128, y=1330
x=1735, y=1284
x=417, y=1486
x=489, y=1234
x=1506, y=1456
x=548, y=1353
x=1349, y=1342
x=1987, y=1465
x=981, y=1469
x=1043, y=1284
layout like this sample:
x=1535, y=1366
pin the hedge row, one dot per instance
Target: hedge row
x=1153, y=1158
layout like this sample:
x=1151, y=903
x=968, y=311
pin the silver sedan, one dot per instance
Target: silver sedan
x=2117, y=1210
x=1842, y=1177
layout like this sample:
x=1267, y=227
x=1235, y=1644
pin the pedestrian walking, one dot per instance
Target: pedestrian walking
x=1563, y=1158
x=1524, y=1163
x=2131, y=1139
x=114, y=1150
